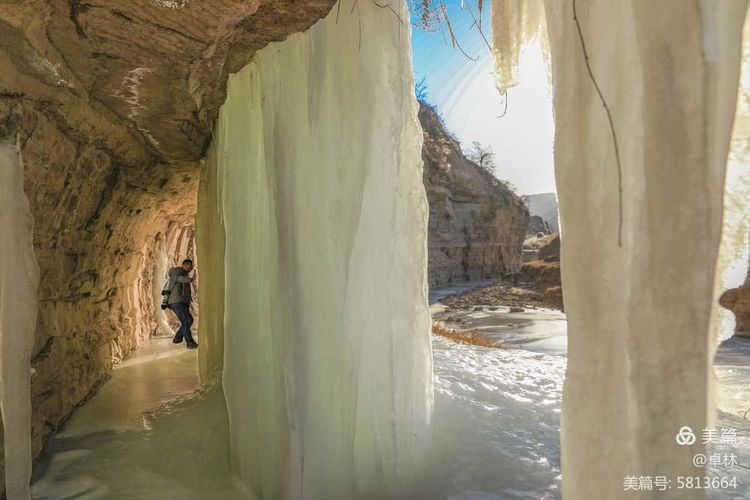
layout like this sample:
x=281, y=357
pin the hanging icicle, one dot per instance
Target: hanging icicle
x=515, y=24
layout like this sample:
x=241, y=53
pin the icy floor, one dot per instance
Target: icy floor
x=142, y=436
x=495, y=433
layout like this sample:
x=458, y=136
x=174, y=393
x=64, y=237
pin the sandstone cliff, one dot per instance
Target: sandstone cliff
x=477, y=225
x=538, y=225
x=541, y=271
x=544, y=205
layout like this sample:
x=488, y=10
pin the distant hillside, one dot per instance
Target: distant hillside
x=545, y=206
x=477, y=224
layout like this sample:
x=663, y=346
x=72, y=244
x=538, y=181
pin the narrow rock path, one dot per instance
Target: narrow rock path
x=145, y=434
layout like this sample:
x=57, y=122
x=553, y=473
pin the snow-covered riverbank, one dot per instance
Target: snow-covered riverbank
x=497, y=410
x=495, y=422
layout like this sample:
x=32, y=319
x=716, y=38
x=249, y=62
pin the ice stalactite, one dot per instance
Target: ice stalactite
x=639, y=312
x=327, y=360
x=515, y=23
x=210, y=244
x=19, y=279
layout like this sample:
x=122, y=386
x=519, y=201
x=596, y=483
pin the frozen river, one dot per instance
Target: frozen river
x=497, y=417
x=497, y=410
x=496, y=421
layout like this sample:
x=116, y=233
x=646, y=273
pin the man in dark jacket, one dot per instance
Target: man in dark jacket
x=178, y=300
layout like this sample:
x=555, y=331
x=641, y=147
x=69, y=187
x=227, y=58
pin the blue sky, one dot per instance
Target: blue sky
x=465, y=95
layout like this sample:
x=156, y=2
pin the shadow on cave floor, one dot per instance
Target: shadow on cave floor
x=149, y=432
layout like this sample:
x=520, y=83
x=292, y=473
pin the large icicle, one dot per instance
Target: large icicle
x=19, y=279
x=515, y=23
x=210, y=244
x=639, y=314
x=327, y=366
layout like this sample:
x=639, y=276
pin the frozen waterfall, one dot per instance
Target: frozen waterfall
x=644, y=103
x=327, y=357
x=19, y=278
x=312, y=248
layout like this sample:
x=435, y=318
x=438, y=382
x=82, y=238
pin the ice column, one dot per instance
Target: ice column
x=210, y=244
x=638, y=277
x=19, y=278
x=327, y=362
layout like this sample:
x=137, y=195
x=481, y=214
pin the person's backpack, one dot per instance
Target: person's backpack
x=166, y=293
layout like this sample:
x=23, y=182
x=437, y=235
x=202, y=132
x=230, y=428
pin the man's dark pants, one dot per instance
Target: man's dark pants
x=186, y=320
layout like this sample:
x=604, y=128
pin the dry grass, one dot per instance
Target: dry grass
x=541, y=264
x=465, y=336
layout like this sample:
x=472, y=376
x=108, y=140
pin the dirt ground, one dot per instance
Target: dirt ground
x=500, y=294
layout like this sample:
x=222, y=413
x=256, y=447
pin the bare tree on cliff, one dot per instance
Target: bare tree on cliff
x=420, y=89
x=483, y=156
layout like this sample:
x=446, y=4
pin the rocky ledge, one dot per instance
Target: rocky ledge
x=737, y=300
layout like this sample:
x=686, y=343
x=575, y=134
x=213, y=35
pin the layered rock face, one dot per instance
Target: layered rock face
x=542, y=271
x=550, y=251
x=737, y=300
x=538, y=225
x=113, y=105
x=100, y=229
x=477, y=225
x=544, y=206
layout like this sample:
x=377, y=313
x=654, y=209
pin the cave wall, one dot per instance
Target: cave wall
x=477, y=224
x=96, y=226
x=114, y=105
